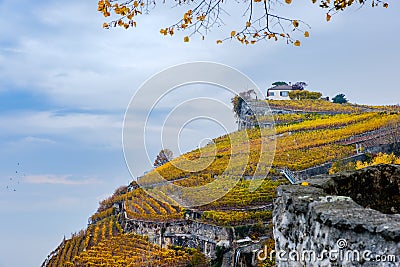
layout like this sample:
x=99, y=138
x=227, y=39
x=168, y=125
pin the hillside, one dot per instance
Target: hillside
x=316, y=133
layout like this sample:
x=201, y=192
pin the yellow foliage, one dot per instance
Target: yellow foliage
x=328, y=17
x=315, y=106
x=164, y=31
x=380, y=158
x=131, y=250
x=201, y=18
x=236, y=217
x=95, y=234
x=187, y=17
x=126, y=10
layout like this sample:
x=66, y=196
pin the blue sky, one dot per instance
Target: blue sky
x=65, y=84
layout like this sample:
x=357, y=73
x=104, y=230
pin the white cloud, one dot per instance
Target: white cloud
x=37, y=140
x=100, y=129
x=59, y=180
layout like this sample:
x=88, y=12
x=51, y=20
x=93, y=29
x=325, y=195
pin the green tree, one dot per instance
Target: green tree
x=279, y=83
x=299, y=85
x=238, y=100
x=237, y=103
x=259, y=22
x=304, y=94
x=340, y=99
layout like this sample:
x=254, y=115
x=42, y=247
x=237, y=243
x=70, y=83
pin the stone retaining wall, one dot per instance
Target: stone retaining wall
x=314, y=219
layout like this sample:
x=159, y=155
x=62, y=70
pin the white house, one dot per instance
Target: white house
x=280, y=92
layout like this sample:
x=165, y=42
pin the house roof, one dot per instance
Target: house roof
x=283, y=87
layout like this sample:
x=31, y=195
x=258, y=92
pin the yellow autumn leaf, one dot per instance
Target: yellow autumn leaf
x=385, y=5
x=328, y=17
x=219, y=41
x=304, y=183
x=295, y=23
x=186, y=39
x=201, y=18
x=163, y=31
x=297, y=43
x=233, y=33
x=306, y=34
x=135, y=4
x=288, y=1
x=105, y=25
x=248, y=24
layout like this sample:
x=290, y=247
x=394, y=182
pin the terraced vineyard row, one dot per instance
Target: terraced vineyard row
x=231, y=218
x=327, y=122
x=83, y=240
x=297, y=151
x=105, y=244
x=327, y=107
x=138, y=205
x=130, y=250
x=141, y=206
x=293, y=140
x=241, y=197
x=314, y=106
x=303, y=141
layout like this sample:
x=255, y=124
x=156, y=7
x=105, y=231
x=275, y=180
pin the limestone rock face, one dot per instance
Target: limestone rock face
x=348, y=219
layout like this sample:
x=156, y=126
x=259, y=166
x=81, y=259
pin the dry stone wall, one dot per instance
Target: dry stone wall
x=330, y=222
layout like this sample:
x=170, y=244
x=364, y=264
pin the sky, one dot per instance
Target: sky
x=65, y=84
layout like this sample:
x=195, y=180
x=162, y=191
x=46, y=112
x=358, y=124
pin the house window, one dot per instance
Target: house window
x=284, y=93
x=271, y=94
